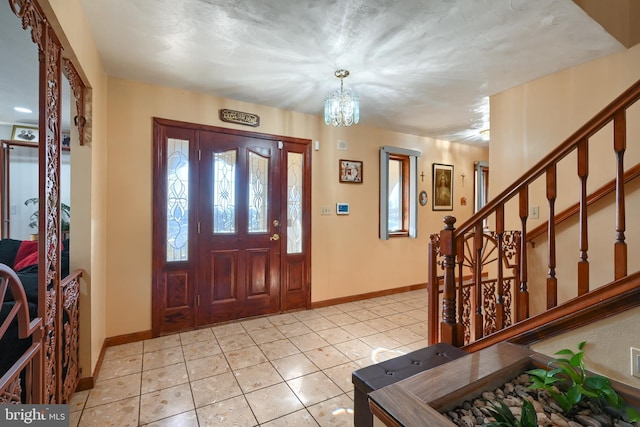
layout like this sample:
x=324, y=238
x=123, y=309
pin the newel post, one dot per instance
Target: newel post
x=450, y=330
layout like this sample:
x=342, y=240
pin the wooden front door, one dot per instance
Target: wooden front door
x=239, y=218
x=231, y=225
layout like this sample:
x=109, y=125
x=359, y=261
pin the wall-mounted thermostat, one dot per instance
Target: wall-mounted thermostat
x=342, y=208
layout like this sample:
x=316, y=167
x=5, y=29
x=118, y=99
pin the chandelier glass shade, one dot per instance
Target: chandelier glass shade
x=342, y=106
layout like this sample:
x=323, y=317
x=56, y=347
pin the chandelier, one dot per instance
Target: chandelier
x=342, y=107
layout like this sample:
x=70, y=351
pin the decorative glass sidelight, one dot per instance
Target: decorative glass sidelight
x=258, y=193
x=224, y=192
x=177, y=200
x=294, y=202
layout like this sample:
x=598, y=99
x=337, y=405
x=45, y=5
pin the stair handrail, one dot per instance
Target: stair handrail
x=450, y=328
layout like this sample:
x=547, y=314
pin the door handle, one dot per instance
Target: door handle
x=275, y=236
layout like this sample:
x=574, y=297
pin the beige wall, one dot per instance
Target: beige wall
x=347, y=256
x=529, y=121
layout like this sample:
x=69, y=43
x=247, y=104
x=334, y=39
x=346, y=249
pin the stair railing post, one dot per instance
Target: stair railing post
x=449, y=327
x=433, y=291
x=522, y=307
x=620, y=146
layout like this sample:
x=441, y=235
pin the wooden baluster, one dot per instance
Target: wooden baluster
x=477, y=281
x=449, y=327
x=620, y=145
x=552, y=280
x=522, y=309
x=460, y=302
x=499, y=234
x=433, y=290
x=583, y=173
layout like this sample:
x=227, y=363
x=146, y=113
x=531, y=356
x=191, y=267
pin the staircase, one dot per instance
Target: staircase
x=478, y=272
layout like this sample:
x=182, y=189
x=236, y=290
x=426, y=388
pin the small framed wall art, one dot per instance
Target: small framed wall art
x=442, y=187
x=25, y=133
x=350, y=171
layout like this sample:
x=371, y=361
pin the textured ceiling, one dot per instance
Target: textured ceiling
x=424, y=67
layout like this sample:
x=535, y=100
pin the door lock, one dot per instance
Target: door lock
x=275, y=236
x=276, y=223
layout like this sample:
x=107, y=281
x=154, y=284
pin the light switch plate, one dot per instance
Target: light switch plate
x=635, y=362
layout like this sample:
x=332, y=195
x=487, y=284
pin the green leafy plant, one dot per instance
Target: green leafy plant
x=505, y=418
x=65, y=215
x=569, y=384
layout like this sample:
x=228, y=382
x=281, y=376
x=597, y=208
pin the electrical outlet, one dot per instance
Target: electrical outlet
x=534, y=212
x=325, y=210
x=635, y=362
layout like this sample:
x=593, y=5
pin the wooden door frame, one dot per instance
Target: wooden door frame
x=295, y=269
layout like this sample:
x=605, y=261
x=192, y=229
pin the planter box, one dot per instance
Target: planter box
x=419, y=400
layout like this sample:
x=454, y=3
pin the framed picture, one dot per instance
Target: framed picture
x=66, y=139
x=442, y=187
x=25, y=133
x=350, y=171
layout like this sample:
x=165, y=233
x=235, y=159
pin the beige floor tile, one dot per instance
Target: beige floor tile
x=282, y=319
x=165, y=403
x=257, y=377
x=228, y=329
x=207, y=367
x=244, y=357
x=78, y=399
x=118, y=367
x=231, y=412
x=235, y=342
x=382, y=355
x=360, y=329
x=306, y=315
x=336, y=335
x=381, y=341
x=336, y=412
x=195, y=336
x=341, y=375
x=160, y=358
x=416, y=345
x=74, y=418
x=363, y=315
x=201, y=349
x=215, y=389
x=354, y=349
x=421, y=328
x=308, y=342
x=342, y=319
x=294, y=366
x=319, y=324
x=403, y=336
x=111, y=390
x=294, y=329
x=261, y=336
x=326, y=357
x=273, y=402
x=124, y=350
x=402, y=319
x=398, y=307
x=381, y=324
x=328, y=311
x=122, y=413
x=278, y=349
x=420, y=314
x=300, y=418
x=185, y=419
x=161, y=343
x=165, y=377
x=255, y=324
x=314, y=388
x=384, y=311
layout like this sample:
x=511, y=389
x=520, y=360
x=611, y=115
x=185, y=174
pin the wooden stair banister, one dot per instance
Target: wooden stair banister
x=594, y=197
x=454, y=325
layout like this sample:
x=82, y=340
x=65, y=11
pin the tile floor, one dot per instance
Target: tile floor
x=290, y=369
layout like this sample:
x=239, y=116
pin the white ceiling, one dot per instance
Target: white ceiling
x=424, y=67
